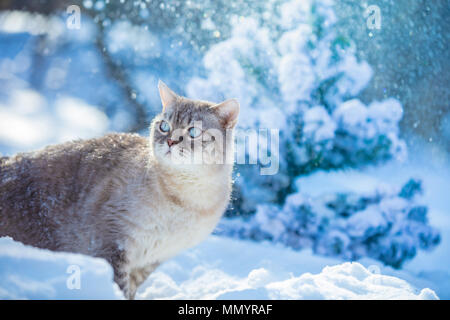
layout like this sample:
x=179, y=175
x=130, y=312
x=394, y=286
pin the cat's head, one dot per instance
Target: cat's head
x=188, y=133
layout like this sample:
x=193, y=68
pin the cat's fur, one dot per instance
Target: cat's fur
x=121, y=197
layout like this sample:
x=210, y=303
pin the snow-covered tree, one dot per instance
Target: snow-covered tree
x=297, y=75
x=386, y=225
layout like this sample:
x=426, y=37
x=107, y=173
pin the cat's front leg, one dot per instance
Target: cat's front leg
x=122, y=271
x=139, y=275
x=122, y=279
x=129, y=279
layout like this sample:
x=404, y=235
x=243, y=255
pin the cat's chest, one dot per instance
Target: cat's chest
x=165, y=231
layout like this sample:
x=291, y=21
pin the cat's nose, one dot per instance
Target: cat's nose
x=171, y=142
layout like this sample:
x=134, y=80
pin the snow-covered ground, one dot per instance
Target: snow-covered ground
x=31, y=273
x=428, y=268
x=219, y=268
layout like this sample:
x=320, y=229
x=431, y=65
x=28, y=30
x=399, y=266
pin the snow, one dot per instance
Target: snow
x=298, y=88
x=124, y=36
x=208, y=271
x=346, y=281
x=367, y=121
x=29, y=120
x=357, y=75
x=430, y=267
x=318, y=124
x=368, y=219
x=31, y=273
x=290, y=12
x=19, y=21
x=386, y=224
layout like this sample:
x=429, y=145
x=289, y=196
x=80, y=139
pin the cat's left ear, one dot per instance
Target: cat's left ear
x=167, y=96
x=228, y=112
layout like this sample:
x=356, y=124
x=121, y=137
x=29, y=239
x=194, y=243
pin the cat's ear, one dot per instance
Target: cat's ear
x=167, y=95
x=228, y=112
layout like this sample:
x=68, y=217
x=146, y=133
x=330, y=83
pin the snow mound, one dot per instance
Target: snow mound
x=31, y=273
x=349, y=280
x=216, y=269
x=223, y=268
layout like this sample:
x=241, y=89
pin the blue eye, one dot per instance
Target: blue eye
x=164, y=126
x=194, y=132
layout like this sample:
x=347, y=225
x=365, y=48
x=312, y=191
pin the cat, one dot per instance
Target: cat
x=133, y=201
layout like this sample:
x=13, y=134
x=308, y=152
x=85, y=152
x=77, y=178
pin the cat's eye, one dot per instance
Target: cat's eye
x=194, y=132
x=164, y=126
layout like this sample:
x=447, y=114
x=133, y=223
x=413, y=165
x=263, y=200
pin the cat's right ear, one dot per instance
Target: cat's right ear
x=228, y=112
x=167, y=95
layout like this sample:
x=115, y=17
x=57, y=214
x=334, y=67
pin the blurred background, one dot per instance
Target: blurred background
x=358, y=89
